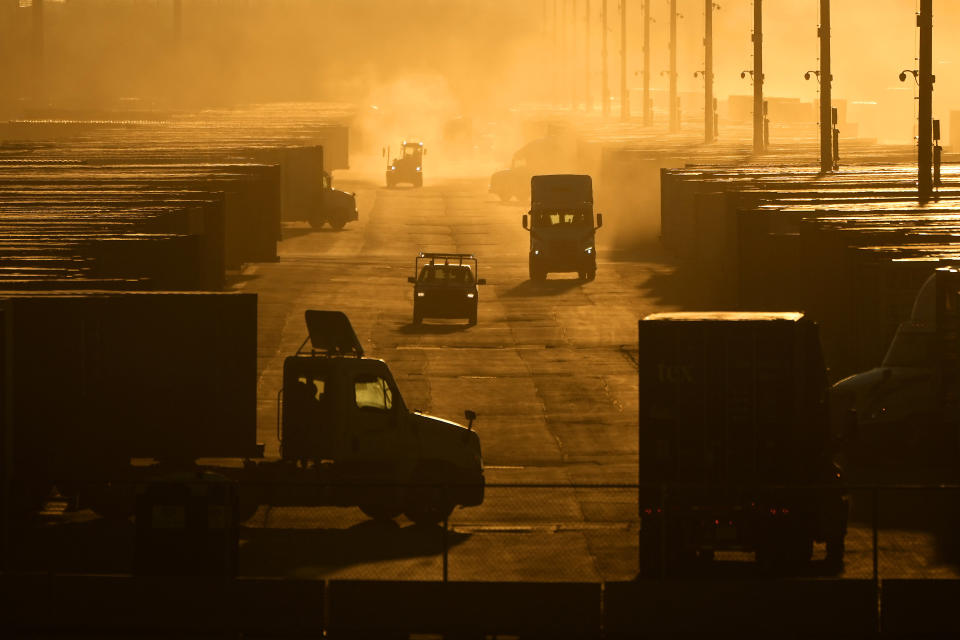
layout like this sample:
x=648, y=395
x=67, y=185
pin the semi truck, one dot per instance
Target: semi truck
x=736, y=449
x=561, y=226
x=905, y=413
x=104, y=392
x=336, y=208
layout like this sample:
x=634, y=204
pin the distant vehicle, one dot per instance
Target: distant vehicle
x=734, y=431
x=337, y=207
x=562, y=235
x=408, y=168
x=445, y=286
x=511, y=183
x=907, y=410
x=554, y=153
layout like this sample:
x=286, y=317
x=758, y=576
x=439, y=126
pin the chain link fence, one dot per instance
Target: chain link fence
x=521, y=532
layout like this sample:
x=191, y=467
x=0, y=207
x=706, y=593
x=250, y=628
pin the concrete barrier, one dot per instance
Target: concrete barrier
x=554, y=610
x=767, y=608
x=920, y=606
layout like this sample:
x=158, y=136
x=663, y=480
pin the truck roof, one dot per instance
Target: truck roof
x=562, y=189
x=727, y=316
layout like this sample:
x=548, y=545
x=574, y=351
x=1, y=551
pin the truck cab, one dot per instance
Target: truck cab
x=342, y=414
x=336, y=207
x=561, y=226
x=408, y=167
x=903, y=414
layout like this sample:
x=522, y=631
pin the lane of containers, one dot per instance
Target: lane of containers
x=851, y=248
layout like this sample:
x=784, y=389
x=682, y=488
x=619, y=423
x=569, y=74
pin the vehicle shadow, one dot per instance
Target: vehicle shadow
x=434, y=329
x=278, y=552
x=529, y=288
x=295, y=231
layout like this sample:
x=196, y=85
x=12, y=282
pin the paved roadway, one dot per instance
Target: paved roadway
x=548, y=369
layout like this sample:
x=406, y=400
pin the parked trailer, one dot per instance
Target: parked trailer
x=735, y=440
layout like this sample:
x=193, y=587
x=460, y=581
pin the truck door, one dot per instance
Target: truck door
x=373, y=425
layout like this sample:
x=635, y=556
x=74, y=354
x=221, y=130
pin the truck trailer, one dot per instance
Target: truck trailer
x=736, y=444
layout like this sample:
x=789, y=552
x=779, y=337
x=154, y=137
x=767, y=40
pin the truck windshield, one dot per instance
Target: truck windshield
x=446, y=274
x=409, y=152
x=558, y=218
x=372, y=393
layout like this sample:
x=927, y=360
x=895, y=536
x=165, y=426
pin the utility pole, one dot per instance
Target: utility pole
x=605, y=91
x=674, y=103
x=926, y=80
x=826, y=91
x=556, y=56
x=563, y=42
x=624, y=95
x=38, y=46
x=573, y=55
x=647, y=105
x=587, y=104
x=708, y=71
x=177, y=23
x=758, y=116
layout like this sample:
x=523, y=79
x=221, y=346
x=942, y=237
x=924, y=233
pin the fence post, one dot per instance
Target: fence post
x=663, y=531
x=446, y=529
x=876, y=528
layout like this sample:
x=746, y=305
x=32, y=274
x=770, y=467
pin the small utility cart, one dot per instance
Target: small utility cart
x=445, y=286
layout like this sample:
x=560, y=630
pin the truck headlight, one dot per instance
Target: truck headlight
x=536, y=252
x=392, y=168
x=471, y=295
x=588, y=250
x=418, y=168
x=420, y=294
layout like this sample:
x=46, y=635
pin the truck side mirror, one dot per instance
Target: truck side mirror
x=526, y=221
x=470, y=416
x=411, y=280
x=599, y=220
x=383, y=152
x=424, y=152
x=481, y=281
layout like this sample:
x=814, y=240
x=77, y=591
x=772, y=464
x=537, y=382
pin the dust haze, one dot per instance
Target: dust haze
x=475, y=80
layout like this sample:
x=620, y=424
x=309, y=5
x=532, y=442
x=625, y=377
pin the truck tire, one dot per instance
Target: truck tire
x=472, y=319
x=418, y=181
x=536, y=273
x=427, y=501
x=417, y=316
x=337, y=223
x=317, y=222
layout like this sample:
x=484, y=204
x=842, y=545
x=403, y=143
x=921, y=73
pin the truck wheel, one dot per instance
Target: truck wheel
x=472, y=320
x=536, y=273
x=427, y=502
x=836, y=547
x=380, y=512
x=592, y=274
x=418, y=181
x=427, y=514
x=337, y=224
x=316, y=222
x=417, y=317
